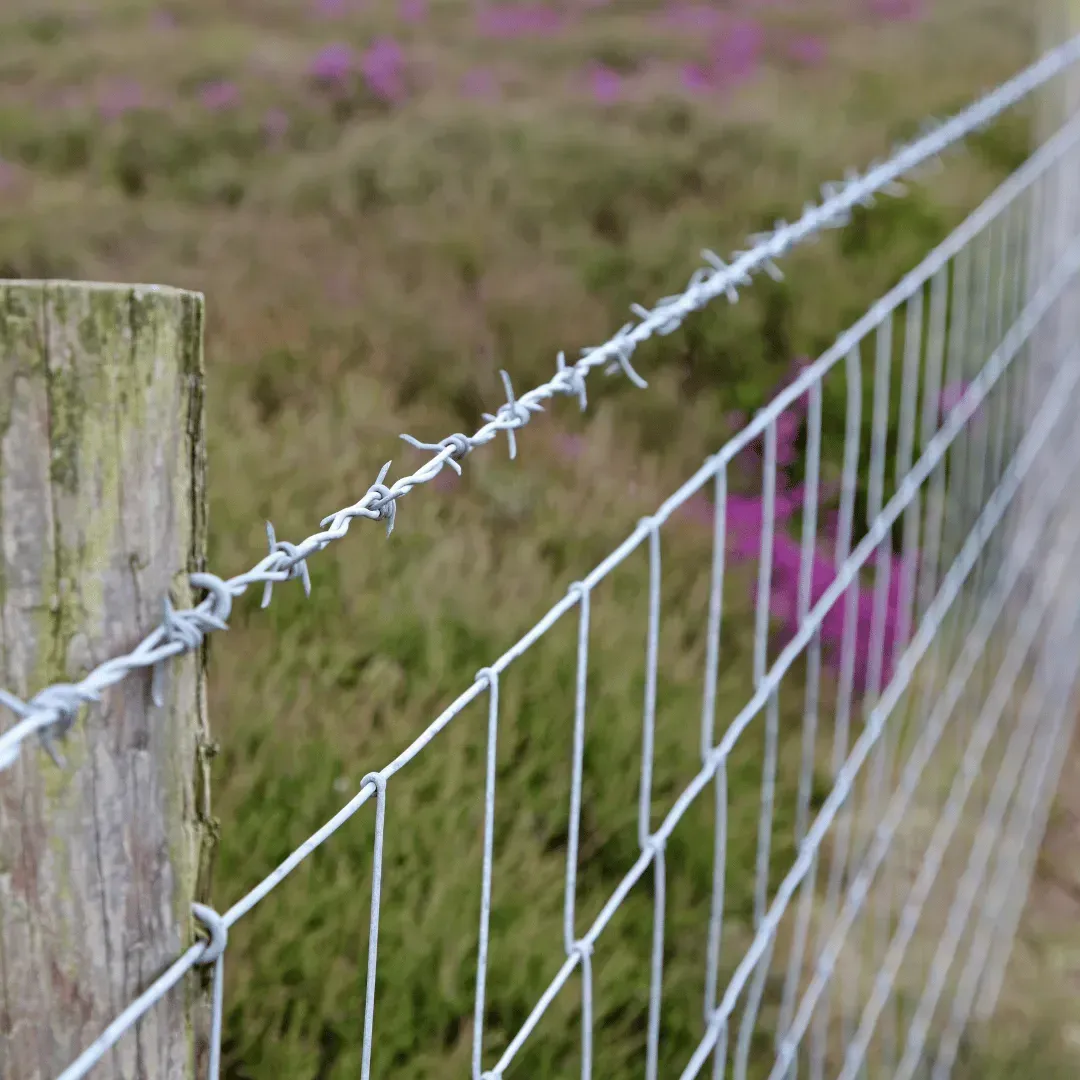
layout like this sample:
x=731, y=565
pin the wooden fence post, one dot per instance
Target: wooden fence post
x=102, y=515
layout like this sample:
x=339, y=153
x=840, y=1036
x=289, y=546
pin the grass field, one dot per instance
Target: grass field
x=379, y=230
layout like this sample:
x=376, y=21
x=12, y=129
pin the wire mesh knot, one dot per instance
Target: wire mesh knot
x=292, y=563
x=582, y=949
x=513, y=414
x=378, y=780
x=216, y=929
x=653, y=846
x=459, y=445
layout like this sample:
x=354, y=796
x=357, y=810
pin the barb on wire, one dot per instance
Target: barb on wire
x=51, y=712
x=513, y=414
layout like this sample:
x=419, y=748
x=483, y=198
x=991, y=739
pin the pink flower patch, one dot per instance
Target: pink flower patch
x=808, y=50
x=737, y=52
x=877, y=636
x=695, y=18
x=331, y=9
x=788, y=427
x=121, y=97
x=526, y=20
x=605, y=85
x=897, y=10
x=696, y=79
x=480, y=83
x=219, y=96
x=744, y=519
x=334, y=64
x=383, y=70
x=412, y=11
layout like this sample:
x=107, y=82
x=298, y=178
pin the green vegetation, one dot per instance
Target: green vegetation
x=367, y=272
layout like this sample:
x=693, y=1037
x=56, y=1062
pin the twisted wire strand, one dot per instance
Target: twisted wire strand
x=51, y=712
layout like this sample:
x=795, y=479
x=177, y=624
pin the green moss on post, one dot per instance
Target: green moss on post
x=102, y=514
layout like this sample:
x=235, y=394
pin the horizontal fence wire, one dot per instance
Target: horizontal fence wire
x=946, y=660
x=52, y=711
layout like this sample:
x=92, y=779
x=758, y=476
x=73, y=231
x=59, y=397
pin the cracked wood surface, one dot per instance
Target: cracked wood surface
x=102, y=513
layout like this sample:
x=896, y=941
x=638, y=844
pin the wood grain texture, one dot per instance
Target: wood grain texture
x=102, y=514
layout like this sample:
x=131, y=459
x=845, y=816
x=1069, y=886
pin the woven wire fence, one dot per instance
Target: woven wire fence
x=912, y=684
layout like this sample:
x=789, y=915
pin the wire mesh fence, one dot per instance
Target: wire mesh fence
x=855, y=841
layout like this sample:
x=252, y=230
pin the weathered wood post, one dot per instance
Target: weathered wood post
x=102, y=515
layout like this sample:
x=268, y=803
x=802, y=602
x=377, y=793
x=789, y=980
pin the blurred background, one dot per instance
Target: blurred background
x=385, y=202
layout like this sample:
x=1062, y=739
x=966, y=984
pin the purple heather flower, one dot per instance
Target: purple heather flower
x=412, y=11
x=788, y=426
x=697, y=18
x=696, y=79
x=120, y=97
x=330, y=8
x=744, y=518
x=737, y=53
x=382, y=68
x=163, y=20
x=219, y=96
x=605, y=84
x=521, y=21
x=275, y=125
x=897, y=10
x=807, y=49
x=333, y=64
x=479, y=83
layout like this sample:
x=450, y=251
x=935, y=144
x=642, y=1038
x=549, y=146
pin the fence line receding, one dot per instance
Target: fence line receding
x=928, y=630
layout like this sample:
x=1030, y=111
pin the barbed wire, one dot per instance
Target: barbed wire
x=51, y=712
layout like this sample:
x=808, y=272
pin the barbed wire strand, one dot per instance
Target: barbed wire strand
x=51, y=712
